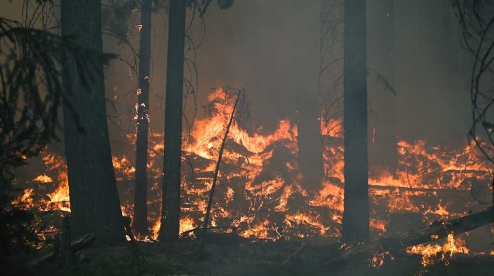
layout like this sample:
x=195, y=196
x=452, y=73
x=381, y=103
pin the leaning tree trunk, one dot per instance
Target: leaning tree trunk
x=440, y=229
x=356, y=212
x=140, y=208
x=94, y=200
x=170, y=214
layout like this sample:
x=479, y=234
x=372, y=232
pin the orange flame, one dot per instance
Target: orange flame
x=446, y=251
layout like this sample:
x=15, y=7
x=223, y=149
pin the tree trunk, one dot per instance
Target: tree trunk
x=384, y=150
x=306, y=95
x=94, y=200
x=309, y=141
x=356, y=212
x=170, y=215
x=140, y=202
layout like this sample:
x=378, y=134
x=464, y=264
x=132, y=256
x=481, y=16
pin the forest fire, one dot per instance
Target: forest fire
x=259, y=190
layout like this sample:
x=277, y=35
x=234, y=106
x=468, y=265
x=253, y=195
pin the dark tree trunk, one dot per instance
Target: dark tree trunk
x=306, y=95
x=94, y=200
x=356, y=212
x=170, y=214
x=384, y=150
x=140, y=207
x=309, y=141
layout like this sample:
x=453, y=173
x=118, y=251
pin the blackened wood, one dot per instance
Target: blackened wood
x=140, y=223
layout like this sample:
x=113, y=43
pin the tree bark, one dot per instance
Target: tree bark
x=94, y=200
x=140, y=200
x=356, y=204
x=170, y=215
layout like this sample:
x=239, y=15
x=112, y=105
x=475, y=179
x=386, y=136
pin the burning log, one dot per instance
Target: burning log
x=75, y=246
x=440, y=229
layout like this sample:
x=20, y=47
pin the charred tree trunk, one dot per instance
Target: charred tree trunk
x=384, y=150
x=356, y=212
x=140, y=200
x=170, y=214
x=94, y=200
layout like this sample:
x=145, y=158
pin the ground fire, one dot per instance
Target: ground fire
x=260, y=195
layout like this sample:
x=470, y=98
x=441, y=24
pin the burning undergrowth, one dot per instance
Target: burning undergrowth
x=259, y=191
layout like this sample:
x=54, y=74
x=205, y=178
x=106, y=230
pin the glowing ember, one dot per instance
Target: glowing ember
x=379, y=258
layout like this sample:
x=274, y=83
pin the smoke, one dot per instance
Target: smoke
x=270, y=48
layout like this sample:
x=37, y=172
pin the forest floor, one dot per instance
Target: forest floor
x=231, y=256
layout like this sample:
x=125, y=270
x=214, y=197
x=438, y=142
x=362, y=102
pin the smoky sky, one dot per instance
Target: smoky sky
x=271, y=48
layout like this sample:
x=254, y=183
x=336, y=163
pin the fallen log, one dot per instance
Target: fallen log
x=75, y=246
x=411, y=189
x=438, y=229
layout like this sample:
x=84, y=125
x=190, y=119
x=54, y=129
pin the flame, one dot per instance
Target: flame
x=432, y=253
x=43, y=178
x=379, y=258
x=123, y=168
x=186, y=224
x=259, y=188
x=59, y=198
x=25, y=200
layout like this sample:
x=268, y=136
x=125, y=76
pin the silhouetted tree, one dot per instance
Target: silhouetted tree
x=30, y=97
x=94, y=200
x=356, y=205
x=170, y=214
x=170, y=209
x=310, y=150
x=309, y=140
x=140, y=203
